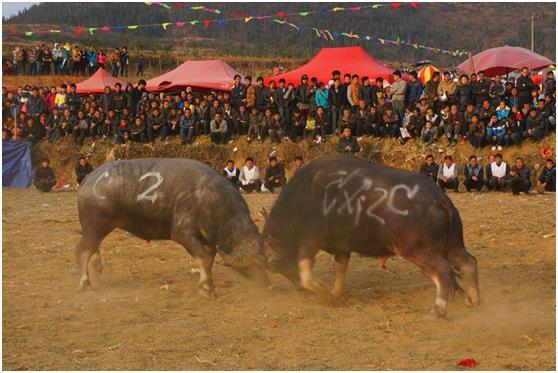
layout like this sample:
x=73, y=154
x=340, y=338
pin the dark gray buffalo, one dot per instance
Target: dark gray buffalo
x=170, y=199
x=344, y=205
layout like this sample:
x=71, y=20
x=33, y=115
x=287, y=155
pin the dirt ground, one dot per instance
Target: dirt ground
x=145, y=312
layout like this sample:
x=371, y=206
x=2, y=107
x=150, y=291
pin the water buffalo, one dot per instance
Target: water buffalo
x=177, y=199
x=343, y=204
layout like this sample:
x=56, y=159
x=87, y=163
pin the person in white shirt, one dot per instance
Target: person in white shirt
x=448, y=174
x=497, y=174
x=250, y=177
x=231, y=173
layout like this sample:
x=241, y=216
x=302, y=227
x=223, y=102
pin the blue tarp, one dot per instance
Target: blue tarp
x=17, y=170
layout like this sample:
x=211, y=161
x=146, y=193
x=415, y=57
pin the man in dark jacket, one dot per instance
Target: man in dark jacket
x=347, y=143
x=238, y=93
x=429, y=168
x=262, y=95
x=119, y=99
x=535, y=126
x=336, y=100
x=83, y=168
x=274, y=175
x=43, y=177
x=73, y=101
x=520, y=177
x=524, y=86
x=414, y=90
x=481, y=89
x=547, y=179
x=474, y=175
x=35, y=104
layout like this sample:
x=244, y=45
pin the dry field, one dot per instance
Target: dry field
x=145, y=312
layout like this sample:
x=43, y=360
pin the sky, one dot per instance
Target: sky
x=9, y=9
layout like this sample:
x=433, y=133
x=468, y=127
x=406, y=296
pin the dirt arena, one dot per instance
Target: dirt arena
x=146, y=314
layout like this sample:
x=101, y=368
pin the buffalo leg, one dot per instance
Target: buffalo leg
x=341, y=264
x=466, y=266
x=438, y=269
x=203, y=259
x=87, y=250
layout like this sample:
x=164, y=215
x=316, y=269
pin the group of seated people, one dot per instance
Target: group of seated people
x=477, y=109
x=497, y=175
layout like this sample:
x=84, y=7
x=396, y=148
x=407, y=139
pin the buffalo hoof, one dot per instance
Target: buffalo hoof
x=471, y=303
x=206, y=291
x=439, y=312
x=84, y=284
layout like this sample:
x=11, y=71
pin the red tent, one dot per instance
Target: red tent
x=208, y=74
x=352, y=60
x=502, y=60
x=97, y=83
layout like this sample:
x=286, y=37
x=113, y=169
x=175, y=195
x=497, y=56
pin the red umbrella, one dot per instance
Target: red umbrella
x=502, y=60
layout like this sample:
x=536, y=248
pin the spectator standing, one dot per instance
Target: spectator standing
x=124, y=60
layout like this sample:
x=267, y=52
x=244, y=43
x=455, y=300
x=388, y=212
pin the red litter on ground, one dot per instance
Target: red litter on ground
x=274, y=325
x=471, y=363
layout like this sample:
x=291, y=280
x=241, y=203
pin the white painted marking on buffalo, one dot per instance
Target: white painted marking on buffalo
x=147, y=193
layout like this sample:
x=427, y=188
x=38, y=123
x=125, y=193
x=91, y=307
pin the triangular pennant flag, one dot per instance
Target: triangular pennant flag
x=355, y=8
x=133, y=27
x=316, y=31
x=55, y=31
x=105, y=28
x=28, y=33
x=414, y=5
x=220, y=22
x=166, y=6
x=165, y=25
x=376, y=6
x=247, y=19
x=304, y=14
x=91, y=30
x=293, y=25
x=206, y=23
x=199, y=7
x=180, y=24
x=193, y=23
x=281, y=15
x=279, y=21
x=338, y=9
x=79, y=30
x=395, y=5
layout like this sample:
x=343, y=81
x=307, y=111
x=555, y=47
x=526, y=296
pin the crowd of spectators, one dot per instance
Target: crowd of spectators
x=69, y=60
x=476, y=109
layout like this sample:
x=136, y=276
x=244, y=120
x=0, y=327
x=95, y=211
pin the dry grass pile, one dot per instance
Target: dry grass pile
x=64, y=154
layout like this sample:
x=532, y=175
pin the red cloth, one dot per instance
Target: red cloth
x=97, y=83
x=500, y=61
x=352, y=60
x=208, y=74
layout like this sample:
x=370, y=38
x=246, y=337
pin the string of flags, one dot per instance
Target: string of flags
x=279, y=18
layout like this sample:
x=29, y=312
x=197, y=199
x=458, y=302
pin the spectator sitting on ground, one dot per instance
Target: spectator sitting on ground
x=547, y=178
x=347, y=143
x=231, y=173
x=497, y=174
x=43, y=177
x=274, y=175
x=448, y=175
x=250, y=177
x=520, y=177
x=83, y=168
x=429, y=168
x=474, y=175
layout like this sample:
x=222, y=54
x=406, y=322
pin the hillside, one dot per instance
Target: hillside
x=471, y=26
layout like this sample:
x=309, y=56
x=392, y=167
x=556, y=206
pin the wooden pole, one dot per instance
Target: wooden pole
x=472, y=62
